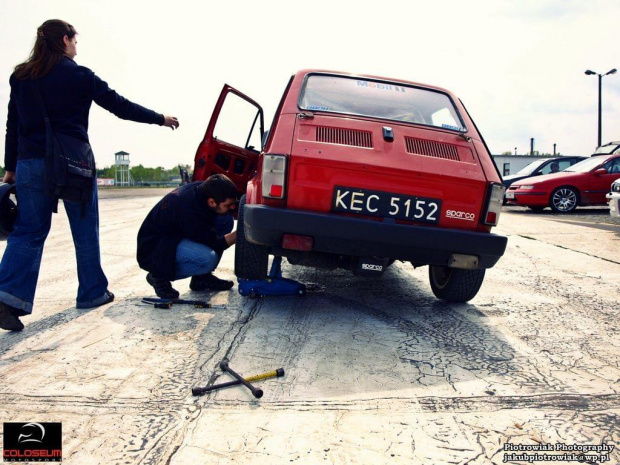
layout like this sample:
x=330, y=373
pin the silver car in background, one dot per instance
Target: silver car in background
x=614, y=198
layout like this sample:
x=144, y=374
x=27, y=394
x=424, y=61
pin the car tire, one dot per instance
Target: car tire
x=454, y=284
x=251, y=260
x=564, y=199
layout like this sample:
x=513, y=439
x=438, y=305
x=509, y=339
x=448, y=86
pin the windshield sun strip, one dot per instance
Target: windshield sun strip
x=462, y=129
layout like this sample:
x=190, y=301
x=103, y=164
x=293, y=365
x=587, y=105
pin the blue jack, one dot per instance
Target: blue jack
x=274, y=284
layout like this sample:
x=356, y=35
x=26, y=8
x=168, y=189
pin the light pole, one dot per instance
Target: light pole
x=600, y=106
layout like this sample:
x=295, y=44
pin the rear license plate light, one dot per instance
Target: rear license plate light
x=465, y=262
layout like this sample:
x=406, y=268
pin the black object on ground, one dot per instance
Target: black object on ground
x=168, y=303
x=197, y=391
x=258, y=393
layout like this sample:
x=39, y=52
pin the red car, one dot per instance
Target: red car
x=357, y=172
x=585, y=183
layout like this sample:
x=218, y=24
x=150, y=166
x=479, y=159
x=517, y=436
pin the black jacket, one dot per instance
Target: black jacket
x=181, y=214
x=68, y=91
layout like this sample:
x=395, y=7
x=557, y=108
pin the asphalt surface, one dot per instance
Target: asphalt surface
x=377, y=371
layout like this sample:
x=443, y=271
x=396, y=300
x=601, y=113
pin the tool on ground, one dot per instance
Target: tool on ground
x=168, y=303
x=258, y=393
x=274, y=284
x=197, y=391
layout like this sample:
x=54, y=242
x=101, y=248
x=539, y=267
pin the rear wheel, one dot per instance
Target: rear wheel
x=564, y=199
x=251, y=260
x=454, y=284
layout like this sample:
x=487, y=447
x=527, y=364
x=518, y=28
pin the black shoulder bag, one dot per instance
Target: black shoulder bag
x=69, y=166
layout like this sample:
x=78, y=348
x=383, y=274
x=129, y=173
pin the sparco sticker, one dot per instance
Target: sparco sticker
x=459, y=215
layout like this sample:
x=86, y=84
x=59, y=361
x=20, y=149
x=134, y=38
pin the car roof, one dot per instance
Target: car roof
x=607, y=149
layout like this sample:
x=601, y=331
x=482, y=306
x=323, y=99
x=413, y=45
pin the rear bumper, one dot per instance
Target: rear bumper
x=358, y=237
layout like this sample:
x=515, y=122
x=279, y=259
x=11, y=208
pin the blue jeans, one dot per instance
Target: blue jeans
x=19, y=269
x=195, y=259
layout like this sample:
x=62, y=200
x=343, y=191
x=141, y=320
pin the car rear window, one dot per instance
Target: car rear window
x=380, y=99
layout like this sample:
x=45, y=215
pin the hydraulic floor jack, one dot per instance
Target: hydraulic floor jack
x=274, y=284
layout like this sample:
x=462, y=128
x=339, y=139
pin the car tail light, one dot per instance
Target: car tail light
x=494, y=204
x=274, y=176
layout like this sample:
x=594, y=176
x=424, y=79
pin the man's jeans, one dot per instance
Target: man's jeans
x=19, y=270
x=195, y=259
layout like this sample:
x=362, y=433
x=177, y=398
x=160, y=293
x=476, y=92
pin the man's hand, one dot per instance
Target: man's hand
x=231, y=238
x=171, y=122
x=9, y=177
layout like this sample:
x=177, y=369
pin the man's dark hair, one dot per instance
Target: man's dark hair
x=219, y=188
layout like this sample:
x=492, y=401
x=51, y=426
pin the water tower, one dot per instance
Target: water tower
x=122, y=176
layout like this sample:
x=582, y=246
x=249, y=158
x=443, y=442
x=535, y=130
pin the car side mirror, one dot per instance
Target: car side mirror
x=600, y=171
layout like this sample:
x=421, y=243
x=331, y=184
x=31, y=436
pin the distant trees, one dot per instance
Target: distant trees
x=536, y=153
x=140, y=173
x=107, y=172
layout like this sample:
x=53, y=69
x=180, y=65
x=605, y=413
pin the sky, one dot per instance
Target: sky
x=518, y=66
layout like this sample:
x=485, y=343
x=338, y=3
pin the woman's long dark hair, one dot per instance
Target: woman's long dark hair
x=48, y=49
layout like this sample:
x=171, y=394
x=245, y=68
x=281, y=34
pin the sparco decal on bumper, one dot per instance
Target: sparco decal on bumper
x=460, y=215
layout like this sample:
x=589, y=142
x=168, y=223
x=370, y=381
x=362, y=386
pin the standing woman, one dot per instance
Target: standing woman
x=68, y=91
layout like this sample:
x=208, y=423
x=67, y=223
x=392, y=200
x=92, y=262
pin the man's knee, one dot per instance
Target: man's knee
x=213, y=259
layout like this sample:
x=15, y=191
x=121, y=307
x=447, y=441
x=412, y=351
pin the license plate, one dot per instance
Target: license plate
x=510, y=194
x=386, y=205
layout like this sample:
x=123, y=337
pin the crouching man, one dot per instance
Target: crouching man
x=185, y=235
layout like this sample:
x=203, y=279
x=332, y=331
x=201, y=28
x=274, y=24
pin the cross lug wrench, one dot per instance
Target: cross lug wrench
x=258, y=393
x=197, y=391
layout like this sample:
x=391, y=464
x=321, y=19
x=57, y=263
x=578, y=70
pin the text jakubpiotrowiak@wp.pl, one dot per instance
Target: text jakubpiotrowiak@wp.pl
x=586, y=453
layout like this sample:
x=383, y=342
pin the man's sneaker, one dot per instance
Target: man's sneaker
x=162, y=287
x=208, y=282
x=8, y=318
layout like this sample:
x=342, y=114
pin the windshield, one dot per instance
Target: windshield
x=529, y=169
x=380, y=99
x=587, y=164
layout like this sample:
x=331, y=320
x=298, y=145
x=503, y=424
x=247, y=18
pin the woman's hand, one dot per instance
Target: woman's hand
x=171, y=122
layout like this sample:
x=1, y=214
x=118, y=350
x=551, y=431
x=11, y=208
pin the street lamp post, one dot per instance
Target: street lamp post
x=600, y=105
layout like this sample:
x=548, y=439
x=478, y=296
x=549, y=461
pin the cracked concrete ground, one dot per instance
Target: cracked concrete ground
x=377, y=371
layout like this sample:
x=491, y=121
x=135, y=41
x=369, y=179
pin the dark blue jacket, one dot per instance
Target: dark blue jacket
x=68, y=91
x=181, y=214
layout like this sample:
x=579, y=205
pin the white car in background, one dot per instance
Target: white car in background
x=614, y=198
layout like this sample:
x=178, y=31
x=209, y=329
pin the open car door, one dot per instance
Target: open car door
x=232, y=142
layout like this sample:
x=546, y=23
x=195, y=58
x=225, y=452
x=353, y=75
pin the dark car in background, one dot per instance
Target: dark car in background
x=538, y=167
